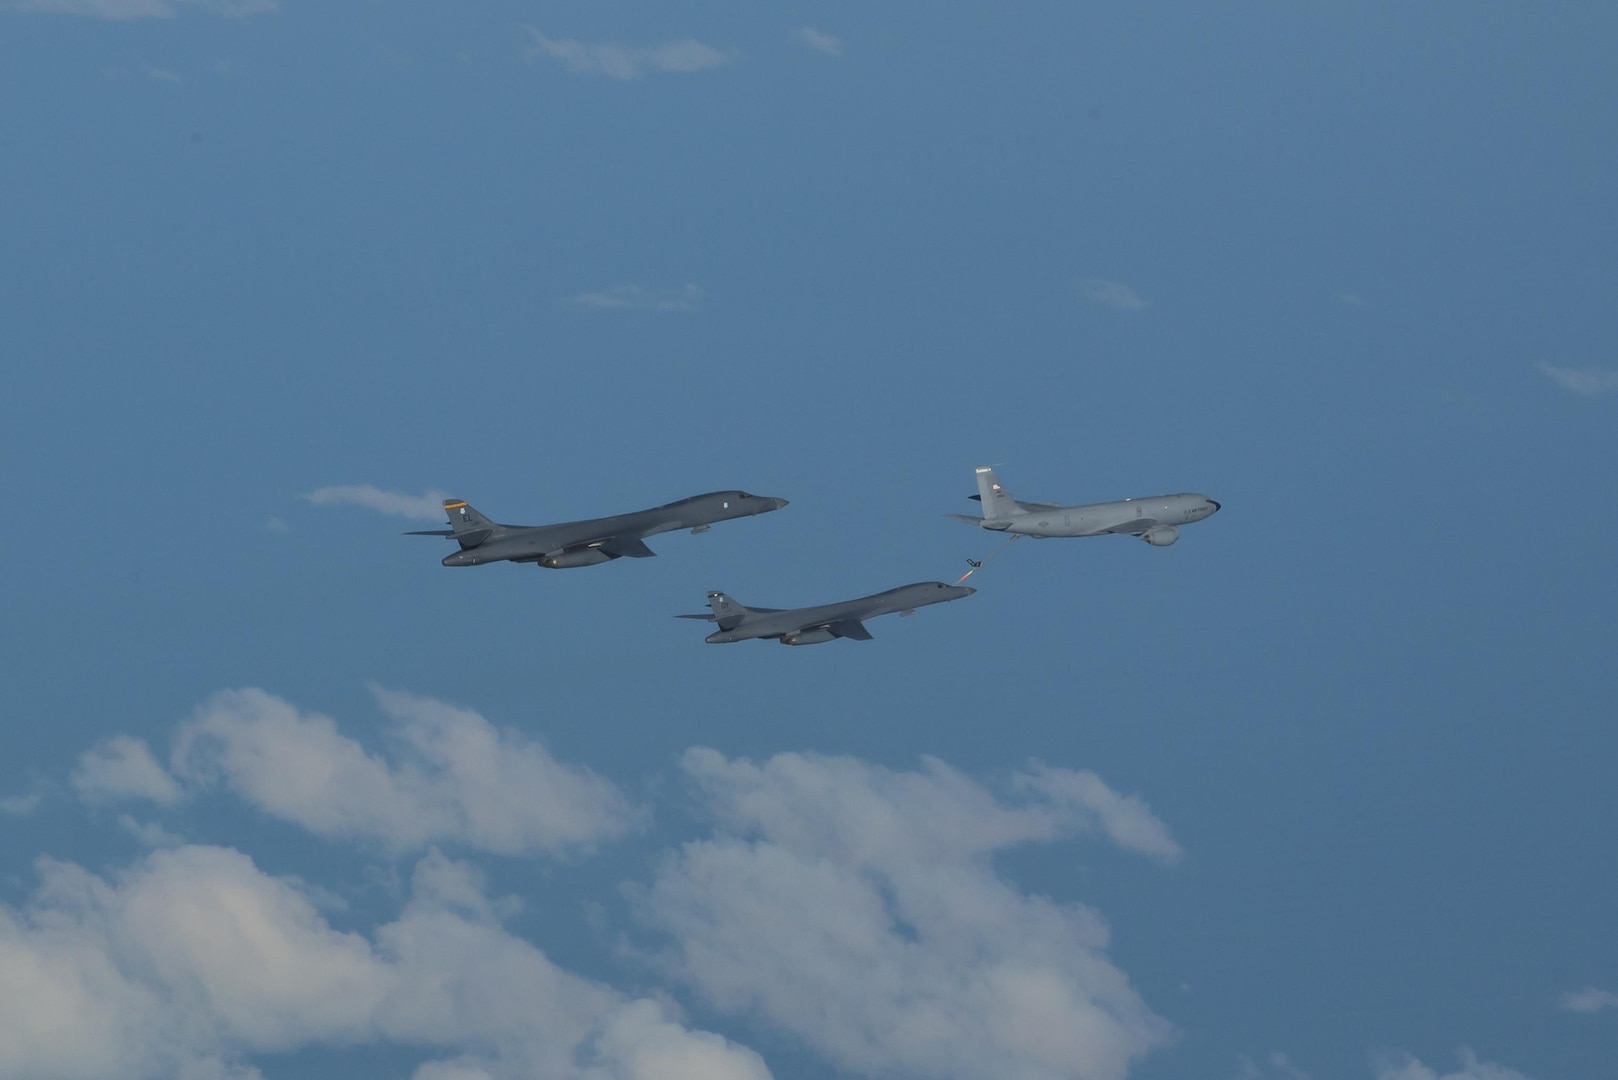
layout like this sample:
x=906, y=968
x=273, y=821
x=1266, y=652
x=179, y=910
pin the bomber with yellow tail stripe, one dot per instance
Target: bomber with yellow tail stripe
x=591, y=541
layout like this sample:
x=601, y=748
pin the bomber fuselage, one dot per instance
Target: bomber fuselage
x=567, y=543
x=781, y=624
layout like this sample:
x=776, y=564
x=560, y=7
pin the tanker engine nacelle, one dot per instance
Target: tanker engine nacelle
x=807, y=637
x=1162, y=536
x=578, y=557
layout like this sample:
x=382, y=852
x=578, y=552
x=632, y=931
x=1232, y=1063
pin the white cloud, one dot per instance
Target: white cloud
x=149, y=833
x=20, y=806
x=193, y=959
x=125, y=10
x=858, y=908
x=1406, y=1067
x=1283, y=1065
x=1126, y=819
x=627, y=62
x=636, y=297
x=937, y=813
x=1113, y=294
x=162, y=75
x=1588, y=1000
x=448, y=776
x=1277, y=1065
x=123, y=767
x=1586, y=382
x=428, y=506
x=819, y=42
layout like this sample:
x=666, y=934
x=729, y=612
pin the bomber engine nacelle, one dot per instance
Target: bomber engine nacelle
x=1162, y=536
x=577, y=557
x=807, y=637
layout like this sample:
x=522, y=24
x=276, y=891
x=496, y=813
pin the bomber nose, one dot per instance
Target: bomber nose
x=776, y=504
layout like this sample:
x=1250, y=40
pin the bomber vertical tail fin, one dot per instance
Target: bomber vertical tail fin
x=727, y=612
x=997, y=501
x=466, y=524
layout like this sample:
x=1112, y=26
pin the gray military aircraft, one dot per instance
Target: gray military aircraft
x=596, y=540
x=812, y=625
x=1156, y=520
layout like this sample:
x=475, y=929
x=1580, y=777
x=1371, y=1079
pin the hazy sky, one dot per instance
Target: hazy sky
x=1325, y=790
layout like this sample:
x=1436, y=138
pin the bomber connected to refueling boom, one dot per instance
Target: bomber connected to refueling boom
x=825, y=622
x=592, y=541
x=1156, y=520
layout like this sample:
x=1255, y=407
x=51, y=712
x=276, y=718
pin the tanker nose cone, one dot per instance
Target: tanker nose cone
x=776, y=504
x=1214, y=504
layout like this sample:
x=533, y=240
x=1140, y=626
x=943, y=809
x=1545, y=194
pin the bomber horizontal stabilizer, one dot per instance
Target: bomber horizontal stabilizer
x=709, y=617
x=966, y=518
x=626, y=548
x=431, y=532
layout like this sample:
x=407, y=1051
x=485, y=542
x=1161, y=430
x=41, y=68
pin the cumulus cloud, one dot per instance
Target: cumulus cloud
x=24, y=804
x=822, y=43
x=192, y=960
x=1113, y=294
x=428, y=506
x=1276, y=1065
x=123, y=767
x=623, y=61
x=447, y=775
x=859, y=908
x=1588, y=1000
x=1406, y=1067
x=1586, y=382
x=149, y=833
x=638, y=298
x=1126, y=819
x=125, y=10
x=20, y=805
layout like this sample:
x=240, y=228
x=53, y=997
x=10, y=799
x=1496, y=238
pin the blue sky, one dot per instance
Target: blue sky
x=1324, y=790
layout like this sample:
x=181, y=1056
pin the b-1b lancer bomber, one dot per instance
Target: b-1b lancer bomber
x=813, y=625
x=595, y=540
x=1156, y=520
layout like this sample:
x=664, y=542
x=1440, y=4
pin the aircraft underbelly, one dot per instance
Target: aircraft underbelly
x=1133, y=527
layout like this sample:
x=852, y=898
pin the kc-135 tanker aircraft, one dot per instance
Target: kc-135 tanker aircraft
x=595, y=540
x=813, y=625
x=1156, y=520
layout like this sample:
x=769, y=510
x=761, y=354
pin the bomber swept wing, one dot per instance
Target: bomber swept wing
x=822, y=622
x=591, y=541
